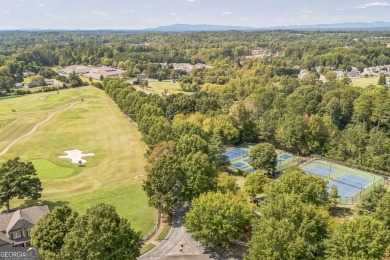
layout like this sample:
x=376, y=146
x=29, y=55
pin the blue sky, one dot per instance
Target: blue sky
x=130, y=14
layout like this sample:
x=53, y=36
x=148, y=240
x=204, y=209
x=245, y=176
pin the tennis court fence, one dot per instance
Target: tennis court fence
x=354, y=199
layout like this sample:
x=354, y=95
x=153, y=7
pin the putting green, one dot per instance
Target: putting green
x=48, y=170
x=95, y=125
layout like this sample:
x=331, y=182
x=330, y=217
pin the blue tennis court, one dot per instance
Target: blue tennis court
x=320, y=170
x=250, y=169
x=238, y=164
x=354, y=180
x=348, y=184
x=235, y=153
x=344, y=190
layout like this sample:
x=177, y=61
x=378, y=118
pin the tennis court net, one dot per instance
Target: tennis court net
x=346, y=183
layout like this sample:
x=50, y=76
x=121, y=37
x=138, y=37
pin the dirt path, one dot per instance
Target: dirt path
x=9, y=146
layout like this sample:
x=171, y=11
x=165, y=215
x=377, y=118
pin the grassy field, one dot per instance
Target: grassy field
x=96, y=126
x=365, y=82
x=158, y=87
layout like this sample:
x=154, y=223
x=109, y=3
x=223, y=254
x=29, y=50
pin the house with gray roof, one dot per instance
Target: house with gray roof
x=15, y=226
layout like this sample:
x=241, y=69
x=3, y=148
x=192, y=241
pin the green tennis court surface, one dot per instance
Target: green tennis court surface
x=351, y=183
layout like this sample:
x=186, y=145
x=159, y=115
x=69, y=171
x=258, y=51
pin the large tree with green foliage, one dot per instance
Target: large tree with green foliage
x=382, y=79
x=165, y=184
x=201, y=174
x=362, y=238
x=263, y=157
x=310, y=188
x=18, y=180
x=101, y=234
x=369, y=202
x=254, y=183
x=216, y=218
x=226, y=183
x=383, y=210
x=285, y=225
x=50, y=231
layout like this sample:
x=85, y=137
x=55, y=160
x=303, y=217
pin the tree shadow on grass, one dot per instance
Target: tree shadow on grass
x=341, y=212
x=50, y=204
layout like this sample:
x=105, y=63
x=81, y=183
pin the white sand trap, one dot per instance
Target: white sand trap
x=43, y=98
x=76, y=156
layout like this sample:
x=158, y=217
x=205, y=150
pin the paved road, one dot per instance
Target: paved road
x=180, y=245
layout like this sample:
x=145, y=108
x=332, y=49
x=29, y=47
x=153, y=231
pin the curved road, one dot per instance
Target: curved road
x=180, y=245
x=9, y=146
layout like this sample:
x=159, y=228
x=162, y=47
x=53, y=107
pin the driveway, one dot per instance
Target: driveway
x=180, y=245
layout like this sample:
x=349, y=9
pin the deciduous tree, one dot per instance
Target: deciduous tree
x=289, y=229
x=49, y=233
x=362, y=238
x=18, y=180
x=165, y=183
x=263, y=156
x=216, y=218
x=226, y=183
x=254, y=183
x=310, y=188
x=101, y=234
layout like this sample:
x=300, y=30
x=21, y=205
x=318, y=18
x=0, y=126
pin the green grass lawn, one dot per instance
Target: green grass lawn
x=158, y=87
x=27, y=80
x=129, y=200
x=93, y=126
x=365, y=82
x=47, y=170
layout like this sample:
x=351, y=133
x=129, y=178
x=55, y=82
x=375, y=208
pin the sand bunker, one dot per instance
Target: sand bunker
x=76, y=156
x=43, y=98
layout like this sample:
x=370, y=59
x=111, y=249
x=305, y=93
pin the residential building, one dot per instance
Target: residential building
x=259, y=52
x=141, y=76
x=92, y=72
x=340, y=73
x=18, y=85
x=354, y=73
x=32, y=84
x=28, y=74
x=15, y=227
x=303, y=73
x=188, y=67
x=388, y=45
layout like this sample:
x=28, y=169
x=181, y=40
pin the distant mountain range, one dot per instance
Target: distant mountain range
x=374, y=26
x=208, y=28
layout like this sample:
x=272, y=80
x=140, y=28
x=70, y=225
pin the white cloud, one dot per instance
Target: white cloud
x=226, y=13
x=103, y=15
x=191, y=1
x=172, y=14
x=374, y=4
x=7, y=12
x=148, y=6
x=304, y=11
x=41, y=4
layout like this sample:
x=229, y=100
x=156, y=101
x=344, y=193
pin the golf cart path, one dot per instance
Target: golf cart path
x=60, y=109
